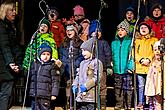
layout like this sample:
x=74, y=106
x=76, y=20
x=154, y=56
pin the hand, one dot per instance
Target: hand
x=130, y=71
x=58, y=63
x=74, y=89
x=14, y=67
x=146, y=62
x=109, y=72
x=83, y=88
x=53, y=97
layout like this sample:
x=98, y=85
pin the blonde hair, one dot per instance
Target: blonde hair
x=4, y=8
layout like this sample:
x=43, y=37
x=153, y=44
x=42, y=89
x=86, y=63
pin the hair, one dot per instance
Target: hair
x=4, y=7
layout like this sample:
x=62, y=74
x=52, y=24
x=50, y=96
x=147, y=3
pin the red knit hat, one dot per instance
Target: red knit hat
x=78, y=10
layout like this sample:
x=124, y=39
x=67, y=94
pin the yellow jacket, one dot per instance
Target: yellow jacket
x=143, y=50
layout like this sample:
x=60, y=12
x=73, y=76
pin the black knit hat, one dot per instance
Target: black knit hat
x=45, y=21
x=144, y=23
x=44, y=48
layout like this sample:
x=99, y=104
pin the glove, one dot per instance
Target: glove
x=82, y=88
x=74, y=89
x=109, y=72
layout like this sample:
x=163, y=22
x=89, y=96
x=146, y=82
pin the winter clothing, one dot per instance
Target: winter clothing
x=46, y=38
x=58, y=31
x=78, y=10
x=93, y=27
x=88, y=45
x=120, y=52
x=10, y=52
x=125, y=25
x=44, y=48
x=74, y=27
x=45, y=21
x=157, y=23
x=121, y=65
x=143, y=50
x=87, y=76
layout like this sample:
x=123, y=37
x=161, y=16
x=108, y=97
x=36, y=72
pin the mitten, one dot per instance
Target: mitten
x=74, y=89
x=83, y=88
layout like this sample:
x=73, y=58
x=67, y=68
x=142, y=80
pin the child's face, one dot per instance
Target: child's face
x=157, y=53
x=156, y=12
x=70, y=33
x=94, y=34
x=43, y=28
x=129, y=15
x=45, y=56
x=144, y=30
x=52, y=17
x=121, y=32
x=86, y=54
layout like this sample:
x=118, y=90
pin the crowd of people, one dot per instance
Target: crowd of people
x=74, y=52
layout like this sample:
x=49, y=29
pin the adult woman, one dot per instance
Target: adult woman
x=10, y=54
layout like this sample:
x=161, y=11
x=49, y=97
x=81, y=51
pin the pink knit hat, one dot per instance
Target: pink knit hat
x=78, y=10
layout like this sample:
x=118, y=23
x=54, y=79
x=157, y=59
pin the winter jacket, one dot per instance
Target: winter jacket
x=32, y=49
x=46, y=78
x=10, y=50
x=58, y=31
x=120, y=54
x=65, y=58
x=143, y=50
x=87, y=75
x=158, y=27
x=153, y=81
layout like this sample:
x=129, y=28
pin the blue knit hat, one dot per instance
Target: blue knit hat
x=44, y=48
x=92, y=27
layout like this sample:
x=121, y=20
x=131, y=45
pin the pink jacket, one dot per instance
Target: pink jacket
x=153, y=81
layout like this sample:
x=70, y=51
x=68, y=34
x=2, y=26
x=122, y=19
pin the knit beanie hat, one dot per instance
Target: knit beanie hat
x=157, y=44
x=144, y=23
x=78, y=10
x=159, y=6
x=73, y=26
x=125, y=25
x=88, y=45
x=92, y=27
x=44, y=48
x=45, y=21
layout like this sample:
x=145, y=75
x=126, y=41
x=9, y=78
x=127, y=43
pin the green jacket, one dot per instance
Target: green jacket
x=32, y=49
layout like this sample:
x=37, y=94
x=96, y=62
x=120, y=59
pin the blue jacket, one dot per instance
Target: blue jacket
x=120, y=54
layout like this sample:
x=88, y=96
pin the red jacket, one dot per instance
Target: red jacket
x=58, y=30
x=157, y=27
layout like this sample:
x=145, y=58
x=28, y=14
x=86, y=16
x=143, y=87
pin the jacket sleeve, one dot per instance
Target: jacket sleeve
x=5, y=46
x=55, y=73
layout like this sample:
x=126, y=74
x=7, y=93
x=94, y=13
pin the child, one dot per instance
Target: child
x=56, y=26
x=71, y=42
x=122, y=67
x=157, y=21
x=85, y=83
x=42, y=36
x=44, y=79
x=144, y=43
x=104, y=55
x=153, y=81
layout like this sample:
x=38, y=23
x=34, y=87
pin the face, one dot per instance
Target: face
x=11, y=14
x=43, y=28
x=156, y=12
x=94, y=34
x=121, y=32
x=144, y=30
x=45, y=56
x=70, y=33
x=86, y=54
x=52, y=17
x=157, y=53
x=78, y=17
x=129, y=15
